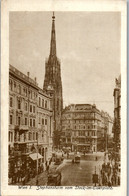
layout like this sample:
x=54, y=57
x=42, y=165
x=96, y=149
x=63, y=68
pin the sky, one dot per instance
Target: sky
x=88, y=46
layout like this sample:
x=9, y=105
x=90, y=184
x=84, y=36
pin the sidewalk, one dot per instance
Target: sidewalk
x=43, y=177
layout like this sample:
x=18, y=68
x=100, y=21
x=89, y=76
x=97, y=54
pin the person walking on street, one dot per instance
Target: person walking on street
x=48, y=168
x=46, y=165
x=67, y=155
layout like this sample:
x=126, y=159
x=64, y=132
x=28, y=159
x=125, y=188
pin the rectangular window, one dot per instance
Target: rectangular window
x=19, y=120
x=33, y=122
x=26, y=107
x=30, y=108
x=39, y=120
x=42, y=121
x=30, y=122
x=29, y=136
x=9, y=136
x=33, y=109
x=39, y=101
x=33, y=136
x=19, y=104
x=25, y=121
x=45, y=121
x=36, y=136
x=43, y=103
x=11, y=119
x=11, y=102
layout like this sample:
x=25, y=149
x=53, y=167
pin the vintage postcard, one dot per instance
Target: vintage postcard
x=63, y=100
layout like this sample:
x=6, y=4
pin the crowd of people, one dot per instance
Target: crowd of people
x=110, y=173
x=21, y=173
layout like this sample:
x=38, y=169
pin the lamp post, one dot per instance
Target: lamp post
x=37, y=160
x=106, y=141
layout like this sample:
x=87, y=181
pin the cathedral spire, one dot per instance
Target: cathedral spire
x=53, y=38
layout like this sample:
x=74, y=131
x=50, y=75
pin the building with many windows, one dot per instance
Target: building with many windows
x=83, y=128
x=30, y=119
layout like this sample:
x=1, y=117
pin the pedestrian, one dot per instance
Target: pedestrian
x=119, y=180
x=109, y=183
x=18, y=174
x=48, y=168
x=115, y=179
x=23, y=179
x=46, y=165
x=103, y=181
x=112, y=180
x=50, y=162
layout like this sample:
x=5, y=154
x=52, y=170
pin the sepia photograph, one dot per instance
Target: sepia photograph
x=65, y=117
x=64, y=98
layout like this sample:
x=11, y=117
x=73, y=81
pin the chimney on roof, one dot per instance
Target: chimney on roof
x=28, y=74
x=35, y=79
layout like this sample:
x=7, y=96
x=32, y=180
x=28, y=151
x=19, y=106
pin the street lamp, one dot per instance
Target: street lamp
x=37, y=160
x=106, y=135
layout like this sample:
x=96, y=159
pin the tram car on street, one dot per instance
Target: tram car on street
x=77, y=158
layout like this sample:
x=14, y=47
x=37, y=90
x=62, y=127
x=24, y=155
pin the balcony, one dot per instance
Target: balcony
x=22, y=127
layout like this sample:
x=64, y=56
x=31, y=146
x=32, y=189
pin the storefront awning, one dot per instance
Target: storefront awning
x=35, y=156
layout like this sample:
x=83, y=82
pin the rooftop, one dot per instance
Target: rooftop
x=23, y=76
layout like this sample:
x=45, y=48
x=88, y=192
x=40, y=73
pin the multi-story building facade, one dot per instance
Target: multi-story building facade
x=30, y=123
x=83, y=128
x=53, y=80
x=45, y=124
x=80, y=124
x=117, y=119
x=105, y=136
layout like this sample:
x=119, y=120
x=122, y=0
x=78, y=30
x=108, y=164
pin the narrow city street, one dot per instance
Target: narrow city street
x=73, y=174
x=80, y=174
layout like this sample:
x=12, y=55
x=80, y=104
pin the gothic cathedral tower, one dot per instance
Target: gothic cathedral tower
x=53, y=83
